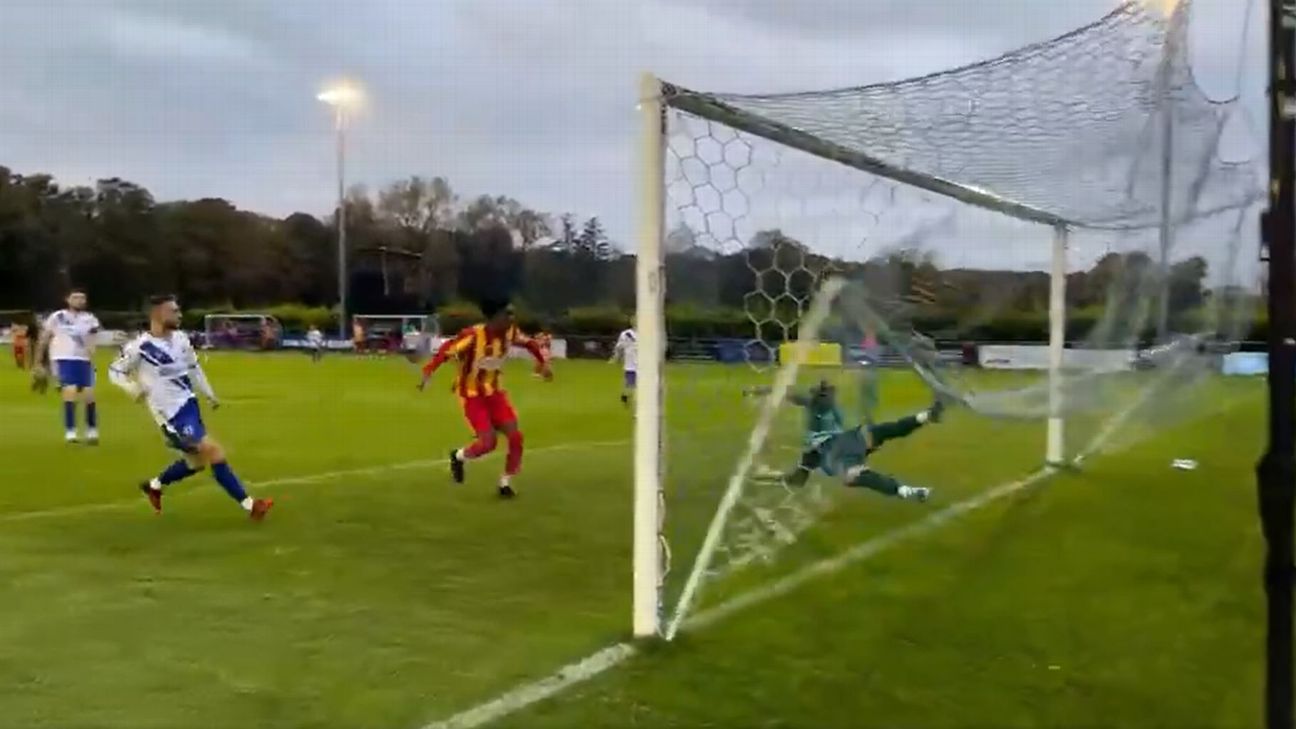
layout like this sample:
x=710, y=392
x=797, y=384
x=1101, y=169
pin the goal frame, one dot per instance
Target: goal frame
x=656, y=98
x=424, y=319
x=261, y=319
x=429, y=328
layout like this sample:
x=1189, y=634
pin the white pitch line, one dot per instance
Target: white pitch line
x=537, y=691
x=587, y=668
x=862, y=551
x=295, y=480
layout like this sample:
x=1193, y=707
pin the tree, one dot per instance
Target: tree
x=490, y=265
x=115, y=239
x=311, y=253
x=482, y=213
x=592, y=241
x=530, y=226
x=418, y=204
x=681, y=239
x=1186, y=284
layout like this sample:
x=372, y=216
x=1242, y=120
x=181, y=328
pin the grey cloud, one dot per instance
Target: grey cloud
x=1011, y=23
x=520, y=97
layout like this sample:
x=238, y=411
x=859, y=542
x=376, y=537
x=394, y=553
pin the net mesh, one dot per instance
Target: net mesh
x=881, y=229
x=1072, y=127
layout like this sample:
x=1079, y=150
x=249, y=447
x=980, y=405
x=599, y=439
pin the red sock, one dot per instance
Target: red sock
x=484, y=444
x=513, y=463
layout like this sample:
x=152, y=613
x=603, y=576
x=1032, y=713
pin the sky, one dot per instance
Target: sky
x=534, y=99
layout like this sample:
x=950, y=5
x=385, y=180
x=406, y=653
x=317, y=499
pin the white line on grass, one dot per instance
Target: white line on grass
x=536, y=691
x=593, y=665
x=295, y=480
x=861, y=552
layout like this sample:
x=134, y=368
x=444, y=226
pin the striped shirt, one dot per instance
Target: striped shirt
x=480, y=354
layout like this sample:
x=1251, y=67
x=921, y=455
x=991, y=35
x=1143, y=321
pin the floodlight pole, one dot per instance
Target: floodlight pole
x=1276, y=472
x=340, y=110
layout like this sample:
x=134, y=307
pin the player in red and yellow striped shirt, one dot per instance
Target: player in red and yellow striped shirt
x=480, y=352
x=21, y=343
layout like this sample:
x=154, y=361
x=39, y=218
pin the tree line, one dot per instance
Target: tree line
x=416, y=246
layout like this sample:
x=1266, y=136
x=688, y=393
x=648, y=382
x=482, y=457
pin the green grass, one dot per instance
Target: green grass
x=1122, y=595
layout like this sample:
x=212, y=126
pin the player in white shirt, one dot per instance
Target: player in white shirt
x=627, y=350
x=315, y=342
x=160, y=368
x=68, y=336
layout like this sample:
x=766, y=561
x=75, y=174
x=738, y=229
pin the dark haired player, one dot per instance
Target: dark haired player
x=68, y=339
x=160, y=368
x=480, y=352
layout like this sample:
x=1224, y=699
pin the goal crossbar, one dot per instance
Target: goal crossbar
x=708, y=106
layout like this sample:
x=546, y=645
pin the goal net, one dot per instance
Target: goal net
x=1056, y=245
x=241, y=331
x=410, y=334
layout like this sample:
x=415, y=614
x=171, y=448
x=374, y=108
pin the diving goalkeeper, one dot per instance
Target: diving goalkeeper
x=842, y=452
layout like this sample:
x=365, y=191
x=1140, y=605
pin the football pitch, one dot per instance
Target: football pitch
x=378, y=594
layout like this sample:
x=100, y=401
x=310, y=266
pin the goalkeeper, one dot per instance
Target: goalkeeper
x=842, y=452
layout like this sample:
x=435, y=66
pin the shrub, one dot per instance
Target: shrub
x=595, y=321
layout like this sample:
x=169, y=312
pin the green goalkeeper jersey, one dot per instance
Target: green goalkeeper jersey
x=838, y=446
x=824, y=419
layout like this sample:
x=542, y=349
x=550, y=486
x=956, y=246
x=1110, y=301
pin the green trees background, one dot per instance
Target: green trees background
x=417, y=246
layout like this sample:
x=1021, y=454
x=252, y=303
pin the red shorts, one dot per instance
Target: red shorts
x=486, y=413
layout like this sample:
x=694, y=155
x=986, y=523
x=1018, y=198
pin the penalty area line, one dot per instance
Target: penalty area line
x=595, y=664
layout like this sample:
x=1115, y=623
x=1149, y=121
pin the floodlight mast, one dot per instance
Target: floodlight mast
x=343, y=98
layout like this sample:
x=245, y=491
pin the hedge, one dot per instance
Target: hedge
x=690, y=322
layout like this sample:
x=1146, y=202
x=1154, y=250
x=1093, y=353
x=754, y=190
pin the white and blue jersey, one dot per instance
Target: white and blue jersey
x=71, y=346
x=166, y=372
x=627, y=350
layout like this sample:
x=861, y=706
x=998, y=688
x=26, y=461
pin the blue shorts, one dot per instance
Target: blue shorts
x=631, y=377
x=185, y=430
x=78, y=373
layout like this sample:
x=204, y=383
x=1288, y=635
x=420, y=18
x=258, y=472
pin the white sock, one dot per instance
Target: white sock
x=923, y=416
x=905, y=492
x=505, y=480
x=155, y=484
x=459, y=454
x=247, y=503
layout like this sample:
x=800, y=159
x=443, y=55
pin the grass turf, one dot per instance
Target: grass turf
x=1125, y=594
